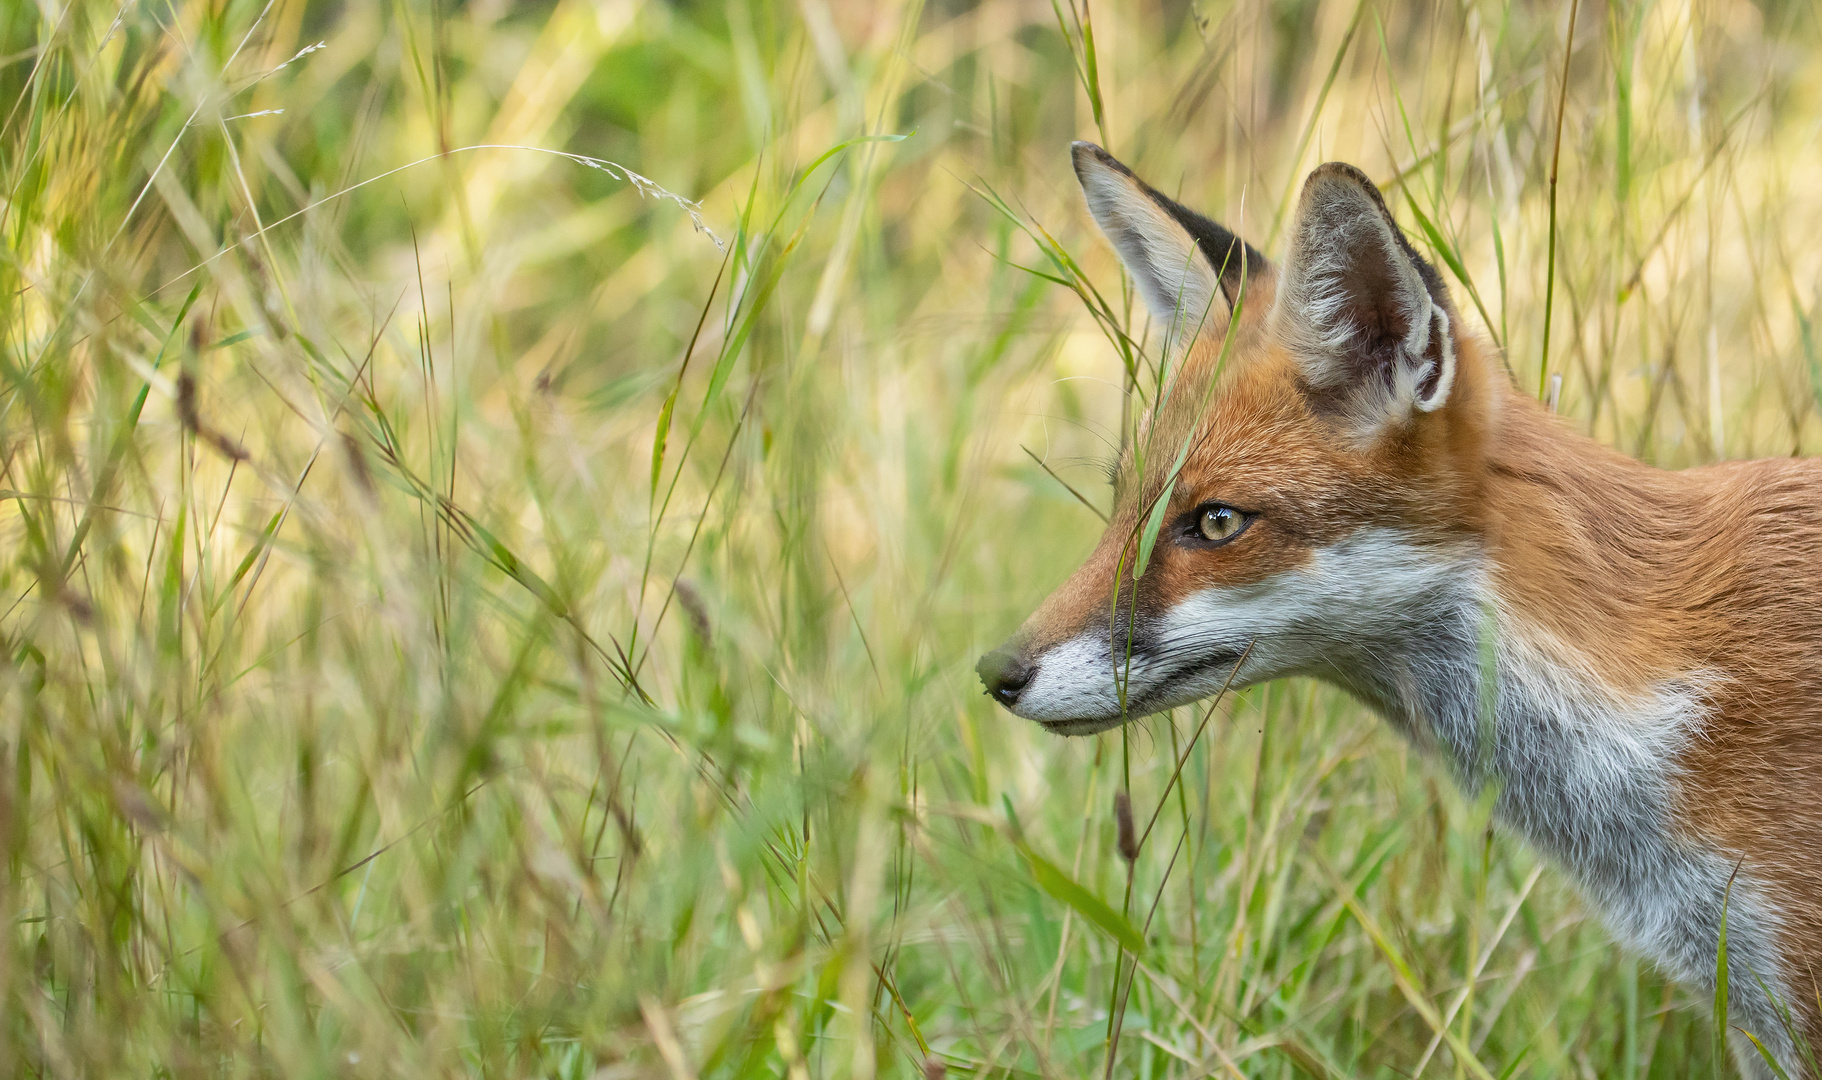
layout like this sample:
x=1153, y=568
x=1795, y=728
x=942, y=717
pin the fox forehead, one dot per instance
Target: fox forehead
x=1259, y=446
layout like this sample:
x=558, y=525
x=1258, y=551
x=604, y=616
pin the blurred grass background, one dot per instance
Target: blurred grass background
x=459, y=615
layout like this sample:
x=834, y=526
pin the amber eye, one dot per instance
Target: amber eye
x=1218, y=524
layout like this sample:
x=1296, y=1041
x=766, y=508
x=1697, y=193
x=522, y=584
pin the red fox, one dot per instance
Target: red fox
x=1346, y=485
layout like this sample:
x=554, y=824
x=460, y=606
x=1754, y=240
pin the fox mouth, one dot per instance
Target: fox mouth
x=1149, y=691
x=1068, y=728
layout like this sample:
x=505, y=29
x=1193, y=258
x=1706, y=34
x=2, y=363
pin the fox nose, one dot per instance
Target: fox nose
x=1004, y=673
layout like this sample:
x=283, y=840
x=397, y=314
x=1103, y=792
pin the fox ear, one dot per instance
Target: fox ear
x=1366, y=316
x=1188, y=269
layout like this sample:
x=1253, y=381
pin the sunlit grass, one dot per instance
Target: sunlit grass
x=459, y=617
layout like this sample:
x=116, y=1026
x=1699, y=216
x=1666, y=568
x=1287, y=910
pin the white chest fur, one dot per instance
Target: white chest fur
x=1589, y=777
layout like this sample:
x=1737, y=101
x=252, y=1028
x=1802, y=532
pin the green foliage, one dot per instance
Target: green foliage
x=466, y=610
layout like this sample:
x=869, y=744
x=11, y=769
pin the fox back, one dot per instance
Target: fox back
x=1344, y=484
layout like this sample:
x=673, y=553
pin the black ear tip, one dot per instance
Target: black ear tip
x=1083, y=153
x=1340, y=172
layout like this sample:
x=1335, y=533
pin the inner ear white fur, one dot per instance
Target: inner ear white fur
x=1176, y=282
x=1440, y=351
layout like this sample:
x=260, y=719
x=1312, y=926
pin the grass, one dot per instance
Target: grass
x=460, y=617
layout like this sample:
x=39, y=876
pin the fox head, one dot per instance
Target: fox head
x=1302, y=487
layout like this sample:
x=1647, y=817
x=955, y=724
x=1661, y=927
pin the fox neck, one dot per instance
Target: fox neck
x=1569, y=704
x=1559, y=604
x=1534, y=660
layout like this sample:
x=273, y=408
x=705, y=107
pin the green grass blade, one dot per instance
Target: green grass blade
x=1055, y=881
x=1777, y=1070
x=1720, y=983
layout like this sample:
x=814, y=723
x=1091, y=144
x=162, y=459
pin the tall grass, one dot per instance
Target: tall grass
x=459, y=617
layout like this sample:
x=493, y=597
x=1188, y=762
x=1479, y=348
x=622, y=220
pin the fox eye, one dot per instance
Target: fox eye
x=1218, y=524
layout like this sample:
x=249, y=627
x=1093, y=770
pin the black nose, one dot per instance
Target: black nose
x=1004, y=673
